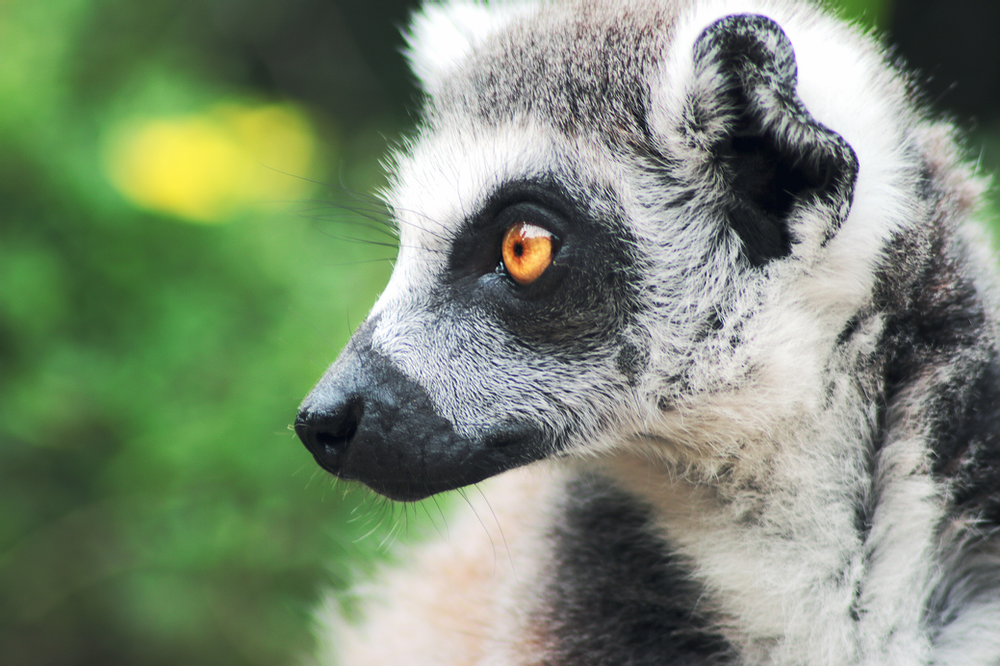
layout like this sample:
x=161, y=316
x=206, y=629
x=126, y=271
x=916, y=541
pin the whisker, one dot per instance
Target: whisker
x=446, y=536
x=461, y=491
x=375, y=228
x=496, y=520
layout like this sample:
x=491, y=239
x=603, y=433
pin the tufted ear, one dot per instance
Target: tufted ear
x=771, y=156
x=441, y=34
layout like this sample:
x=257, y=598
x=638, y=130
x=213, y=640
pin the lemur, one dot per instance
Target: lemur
x=701, y=284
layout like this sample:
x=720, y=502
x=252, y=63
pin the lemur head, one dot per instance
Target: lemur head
x=621, y=225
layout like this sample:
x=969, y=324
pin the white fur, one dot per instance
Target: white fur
x=442, y=34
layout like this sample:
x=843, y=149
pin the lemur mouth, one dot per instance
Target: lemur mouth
x=366, y=421
x=408, y=463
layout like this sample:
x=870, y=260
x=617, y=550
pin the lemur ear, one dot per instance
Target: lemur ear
x=441, y=34
x=772, y=155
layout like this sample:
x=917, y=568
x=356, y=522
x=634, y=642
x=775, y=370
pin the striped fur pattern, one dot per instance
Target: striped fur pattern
x=749, y=413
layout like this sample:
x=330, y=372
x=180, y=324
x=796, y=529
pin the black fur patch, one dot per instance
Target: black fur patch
x=849, y=330
x=938, y=320
x=620, y=596
x=968, y=446
x=631, y=360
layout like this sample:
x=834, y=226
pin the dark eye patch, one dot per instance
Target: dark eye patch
x=588, y=289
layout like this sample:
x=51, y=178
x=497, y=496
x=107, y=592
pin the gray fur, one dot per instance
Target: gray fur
x=763, y=365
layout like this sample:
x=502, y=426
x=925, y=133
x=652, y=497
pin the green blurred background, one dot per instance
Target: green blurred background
x=186, y=241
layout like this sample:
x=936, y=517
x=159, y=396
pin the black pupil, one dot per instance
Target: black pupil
x=518, y=249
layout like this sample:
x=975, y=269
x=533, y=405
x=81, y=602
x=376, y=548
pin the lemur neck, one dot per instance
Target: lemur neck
x=785, y=552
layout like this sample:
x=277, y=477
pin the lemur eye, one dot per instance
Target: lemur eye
x=527, y=251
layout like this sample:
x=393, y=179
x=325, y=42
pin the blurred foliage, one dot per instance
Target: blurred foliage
x=870, y=12
x=156, y=509
x=154, y=506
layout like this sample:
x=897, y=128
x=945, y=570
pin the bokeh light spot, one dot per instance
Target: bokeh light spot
x=210, y=166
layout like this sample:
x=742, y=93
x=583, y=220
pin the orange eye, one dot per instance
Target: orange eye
x=527, y=252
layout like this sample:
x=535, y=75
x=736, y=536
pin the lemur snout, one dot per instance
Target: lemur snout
x=369, y=422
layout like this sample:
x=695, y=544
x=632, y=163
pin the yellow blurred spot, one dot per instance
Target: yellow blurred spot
x=208, y=167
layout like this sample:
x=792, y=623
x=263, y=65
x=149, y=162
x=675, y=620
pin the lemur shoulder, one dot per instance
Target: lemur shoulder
x=704, y=281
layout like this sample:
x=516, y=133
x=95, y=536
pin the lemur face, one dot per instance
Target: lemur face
x=583, y=258
x=502, y=338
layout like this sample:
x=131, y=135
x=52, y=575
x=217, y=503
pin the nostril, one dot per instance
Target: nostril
x=334, y=441
x=328, y=434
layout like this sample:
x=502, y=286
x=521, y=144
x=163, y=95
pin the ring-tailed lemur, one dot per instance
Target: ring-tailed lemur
x=705, y=271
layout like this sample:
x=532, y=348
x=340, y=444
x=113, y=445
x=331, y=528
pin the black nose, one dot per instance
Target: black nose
x=369, y=422
x=328, y=434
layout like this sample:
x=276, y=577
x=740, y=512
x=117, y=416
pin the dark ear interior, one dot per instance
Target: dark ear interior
x=772, y=154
